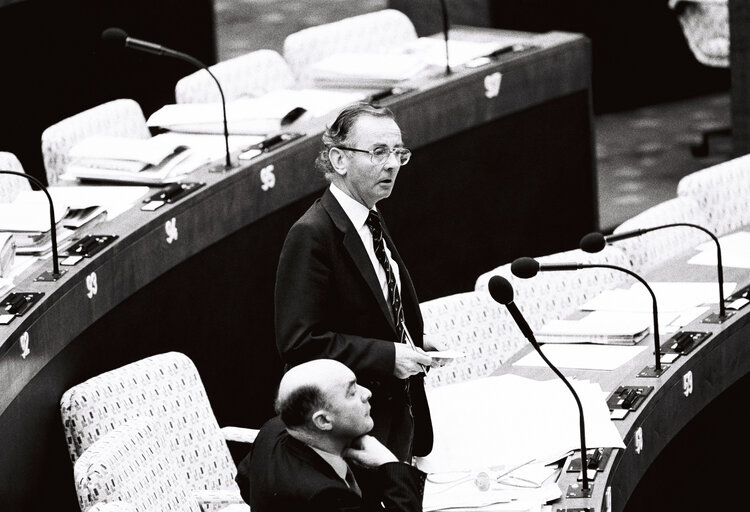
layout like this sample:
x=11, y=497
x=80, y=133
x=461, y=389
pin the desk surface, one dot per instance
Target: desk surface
x=710, y=369
x=141, y=303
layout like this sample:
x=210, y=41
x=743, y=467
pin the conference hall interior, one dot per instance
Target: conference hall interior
x=571, y=164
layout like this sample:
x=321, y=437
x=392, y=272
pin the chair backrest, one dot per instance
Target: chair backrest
x=374, y=32
x=11, y=186
x=120, y=118
x=252, y=74
x=167, y=386
x=722, y=192
x=706, y=28
x=475, y=324
x=651, y=249
x=554, y=295
x=134, y=463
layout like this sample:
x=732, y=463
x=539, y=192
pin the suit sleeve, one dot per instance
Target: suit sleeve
x=397, y=486
x=303, y=315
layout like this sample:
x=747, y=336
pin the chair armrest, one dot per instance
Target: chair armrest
x=239, y=434
x=224, y=500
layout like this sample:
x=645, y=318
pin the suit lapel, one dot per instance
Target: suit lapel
x=353, y=244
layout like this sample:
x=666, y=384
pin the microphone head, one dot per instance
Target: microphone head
x=524, y=267
x=114, y=37
x=501, y=290
x=593, y=242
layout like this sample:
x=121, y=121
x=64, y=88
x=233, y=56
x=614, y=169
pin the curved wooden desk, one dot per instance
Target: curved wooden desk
x=491, y=166
x=690, y=384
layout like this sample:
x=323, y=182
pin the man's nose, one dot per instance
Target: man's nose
x=366, y=394
x=392, y=162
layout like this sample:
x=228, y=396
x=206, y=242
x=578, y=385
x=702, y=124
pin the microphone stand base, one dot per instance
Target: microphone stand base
x=716, y=318
x=652, y=372
x=50, y=277
x=577, y=491
x=221, y=168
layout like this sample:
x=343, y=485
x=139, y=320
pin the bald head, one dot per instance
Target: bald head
x=323, y=394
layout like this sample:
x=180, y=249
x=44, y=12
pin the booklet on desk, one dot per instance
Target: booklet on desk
x=261, y=115
x=368, y=70
x=151, y=161
x=600, y=327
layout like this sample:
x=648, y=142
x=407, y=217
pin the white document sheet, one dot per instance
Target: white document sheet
x=508, y=420
x=432, y=50
x=735, y=251
x=670, y=297
x=114, y=199
x=583, y=357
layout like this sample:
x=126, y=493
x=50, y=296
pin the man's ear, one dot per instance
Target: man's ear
x=336, y=157
x=322, y=420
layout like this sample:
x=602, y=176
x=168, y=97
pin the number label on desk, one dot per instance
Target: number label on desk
x=492, y=84
x=639, y=440
x=687, y=383
x=24, y=343
x=171, y=229
x=91, y=285
x=267, y=178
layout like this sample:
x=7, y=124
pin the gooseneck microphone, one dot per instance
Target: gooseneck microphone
x=502, y=291
x=446, y=24
x=526, y=268
x=56, y=274
x=116, y=37
x=595, y=242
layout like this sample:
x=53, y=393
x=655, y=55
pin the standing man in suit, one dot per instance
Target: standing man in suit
x=308, y=456
x=342, y=290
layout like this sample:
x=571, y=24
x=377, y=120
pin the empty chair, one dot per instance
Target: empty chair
x=252, y=74
x=475, y=324
x=722, y=192
x=651, y=249
x=167, y=386
x=11, y=186
x=120, y=118
x=134, y=464
x=554, y=295
x=375, y=32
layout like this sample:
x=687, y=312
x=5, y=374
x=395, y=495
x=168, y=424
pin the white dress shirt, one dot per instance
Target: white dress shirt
x=357, y=213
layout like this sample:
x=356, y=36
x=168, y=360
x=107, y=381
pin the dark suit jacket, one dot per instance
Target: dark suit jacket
x=329, y=304
x=283, y=474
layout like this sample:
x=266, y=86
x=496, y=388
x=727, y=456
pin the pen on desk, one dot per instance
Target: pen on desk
x=511, y=470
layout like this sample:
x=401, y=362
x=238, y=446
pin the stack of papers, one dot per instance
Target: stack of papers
x=369, y=70
x=152, y=161
x=29, y=224
x=604, y=327
x=735, y=251
x=510, y=420
x=250, y=116
x=675, y=297
x=431, y=50
x=112, y=199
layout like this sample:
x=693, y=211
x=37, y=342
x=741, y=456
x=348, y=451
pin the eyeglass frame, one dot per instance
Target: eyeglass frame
x=372, y=155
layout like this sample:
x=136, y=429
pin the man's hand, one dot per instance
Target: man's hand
x=409, y=362
x=435, y=342
x=369, y=452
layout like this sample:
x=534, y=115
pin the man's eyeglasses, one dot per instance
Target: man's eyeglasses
x=381, y=153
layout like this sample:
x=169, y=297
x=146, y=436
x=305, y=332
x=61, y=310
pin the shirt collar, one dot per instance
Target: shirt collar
x=338, y=464
x=356, y=211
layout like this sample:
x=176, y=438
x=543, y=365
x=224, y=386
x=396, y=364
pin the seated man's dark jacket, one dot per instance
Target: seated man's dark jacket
x=284, y=474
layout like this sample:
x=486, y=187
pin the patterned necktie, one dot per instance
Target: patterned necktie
x=394, y=297
x=352, y=481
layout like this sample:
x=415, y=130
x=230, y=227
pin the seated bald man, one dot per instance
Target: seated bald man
x=303, y=459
